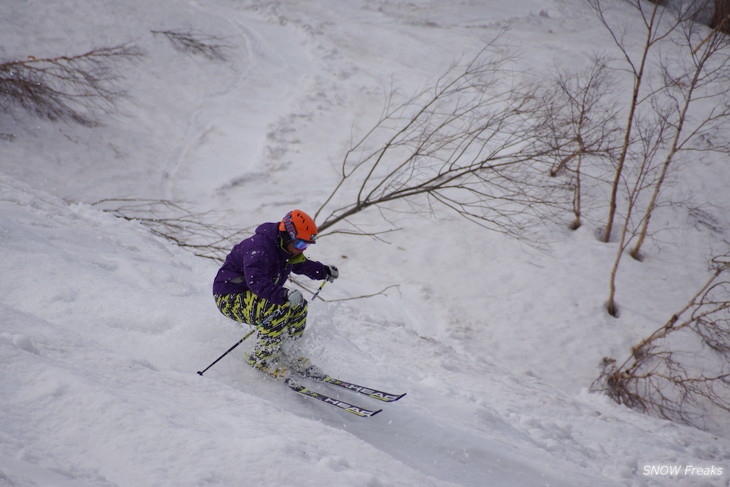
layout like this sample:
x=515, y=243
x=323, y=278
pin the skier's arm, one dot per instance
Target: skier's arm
x=316, y=270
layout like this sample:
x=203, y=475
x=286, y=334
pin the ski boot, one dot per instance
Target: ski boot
x=274, y=369
x=303, y=366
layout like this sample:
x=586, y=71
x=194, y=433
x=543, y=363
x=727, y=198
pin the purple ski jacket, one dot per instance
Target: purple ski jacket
x=260, y=264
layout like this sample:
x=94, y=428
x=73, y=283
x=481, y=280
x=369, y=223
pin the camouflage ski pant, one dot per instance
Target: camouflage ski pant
x=248, y=308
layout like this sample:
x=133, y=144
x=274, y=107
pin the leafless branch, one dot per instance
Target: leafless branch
x=665, y=375
x=469, y=143
x=582, y=129
x=197, y=43
x=73, y=88
x=175, y=222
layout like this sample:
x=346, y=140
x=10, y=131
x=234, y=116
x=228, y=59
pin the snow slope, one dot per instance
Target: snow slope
x=103, y=325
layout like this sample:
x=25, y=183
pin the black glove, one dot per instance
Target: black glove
x=332, y=273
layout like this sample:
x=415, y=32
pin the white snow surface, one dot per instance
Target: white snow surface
x=103, y=325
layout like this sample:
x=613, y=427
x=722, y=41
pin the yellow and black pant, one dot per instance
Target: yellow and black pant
x=287, y=322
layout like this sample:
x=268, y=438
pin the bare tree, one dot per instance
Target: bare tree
x=639, y=178
x=659, y=26
x=582, y=127
x=703, y=77
x=73, y=88
x=468, y=144
x=188, y=229
x=193, y=42
x=668, y=374
x=665, y=119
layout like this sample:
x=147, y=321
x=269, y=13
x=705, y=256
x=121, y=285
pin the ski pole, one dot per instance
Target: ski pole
x=314, y=296
x=201, y=372
x=271, y=317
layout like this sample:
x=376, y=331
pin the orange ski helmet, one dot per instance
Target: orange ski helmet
x=300, y=227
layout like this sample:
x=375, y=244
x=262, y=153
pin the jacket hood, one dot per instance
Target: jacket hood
x=271, y=232
x=268, y=230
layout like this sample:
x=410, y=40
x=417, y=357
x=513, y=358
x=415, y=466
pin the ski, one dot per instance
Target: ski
x=365, y=391
x=350, y=408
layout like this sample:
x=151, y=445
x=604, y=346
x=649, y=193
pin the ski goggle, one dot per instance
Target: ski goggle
x=300, y=244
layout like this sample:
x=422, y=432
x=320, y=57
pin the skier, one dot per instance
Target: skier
x=249, y=288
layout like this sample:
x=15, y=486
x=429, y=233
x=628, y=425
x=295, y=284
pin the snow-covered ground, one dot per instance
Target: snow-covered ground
x=103, y=325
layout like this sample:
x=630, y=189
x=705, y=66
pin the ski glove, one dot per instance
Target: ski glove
x=294, y=297
x=332, y=273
